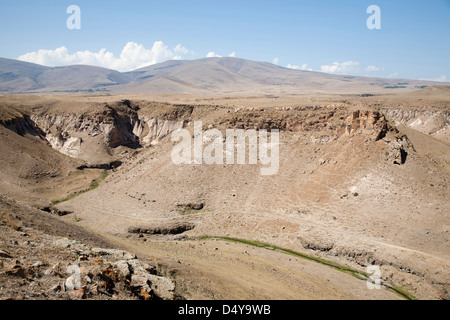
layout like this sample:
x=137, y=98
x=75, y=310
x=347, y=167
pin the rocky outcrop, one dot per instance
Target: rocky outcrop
x=152, y=130
x=22, y=125
x=112, y=127
x=191, y=206
x=164, y=229
x=370, y=123
x=64, y=132
x=65, y=144
x=103, y=166
x=58, y=268
x=288, y=119
x=398, y=149
x=406, y=115
x=430, y=122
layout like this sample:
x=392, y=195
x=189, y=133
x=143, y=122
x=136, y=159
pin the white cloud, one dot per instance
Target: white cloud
x=442, y=78
x=276, y=61
x=133, y=56
x=372, y=69
x=348, y=67
x=344, y=67
x=232, y=55
x=212, y=54
x=302, y=67
x=393, y=75
x=179, y=49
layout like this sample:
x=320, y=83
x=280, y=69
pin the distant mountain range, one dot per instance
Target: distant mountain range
x=203, y=76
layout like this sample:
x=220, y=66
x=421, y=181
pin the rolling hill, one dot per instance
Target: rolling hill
x=23, y=77
x=203, y=76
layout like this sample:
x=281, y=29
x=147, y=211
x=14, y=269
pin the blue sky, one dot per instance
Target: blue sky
x=319, y=35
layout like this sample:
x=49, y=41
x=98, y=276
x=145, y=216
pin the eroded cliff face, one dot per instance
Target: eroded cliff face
x=21, y=124
x=94, y=135
x=97, y=133
x=152, y=130
x=430, y=122
x=77, y=134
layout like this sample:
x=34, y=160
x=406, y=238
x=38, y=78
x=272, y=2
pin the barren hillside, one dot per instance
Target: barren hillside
x=204, y=76
x=361, y=181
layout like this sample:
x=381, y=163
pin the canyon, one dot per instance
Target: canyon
x=362, y=180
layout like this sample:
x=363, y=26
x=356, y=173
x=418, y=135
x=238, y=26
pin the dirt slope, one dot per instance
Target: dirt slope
x=341, y=196
x=356, y=185
x=31, y=170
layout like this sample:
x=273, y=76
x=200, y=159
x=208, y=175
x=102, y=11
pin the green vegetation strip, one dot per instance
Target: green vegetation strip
x=355, y=273
x=93, y=186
